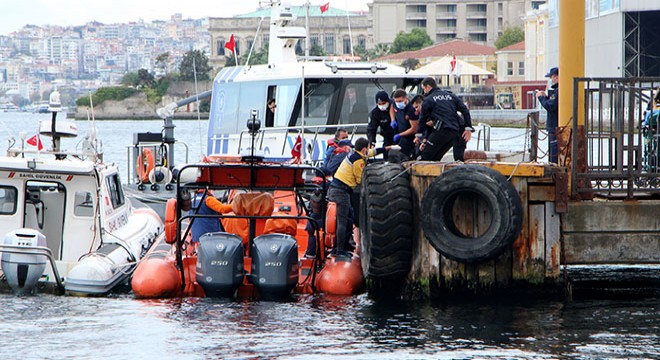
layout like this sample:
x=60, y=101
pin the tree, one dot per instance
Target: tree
x=163, y=61
x=130, y=79
x=510, y=36
x=259, y=57
x=379, y=50
x=145, y=79
x=316, y=50
x=410, y=63
x=202, y=66
x=414, y=40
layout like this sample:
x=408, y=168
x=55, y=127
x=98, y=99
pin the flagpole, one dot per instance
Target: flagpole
x=350, y=36
x=308, y=38
x=302, y=127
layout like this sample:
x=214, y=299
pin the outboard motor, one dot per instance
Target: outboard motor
x=220, y=263
x=23, y=270
x=274, y=265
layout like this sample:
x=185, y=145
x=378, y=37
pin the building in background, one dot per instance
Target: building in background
x=329, y=30
x=511, y=62
x=621, y=37
x=536, y=44
x=473, y=20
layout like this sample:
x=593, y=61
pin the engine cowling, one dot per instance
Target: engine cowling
x=274, y=265
x=220, y=263
x=23, y=271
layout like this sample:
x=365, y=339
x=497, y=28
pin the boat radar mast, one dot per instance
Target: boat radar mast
x=282, y=39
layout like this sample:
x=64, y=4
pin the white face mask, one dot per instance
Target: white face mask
x=383, y=107
x=400, y=105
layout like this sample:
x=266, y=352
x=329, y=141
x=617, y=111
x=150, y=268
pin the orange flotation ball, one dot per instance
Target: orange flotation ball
x=342, y=276
x=156, y=278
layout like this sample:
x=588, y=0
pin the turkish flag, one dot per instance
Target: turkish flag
x=453, y=64
x=325, y=7
x=296, y=150
x=35, y=141
x=231, y=44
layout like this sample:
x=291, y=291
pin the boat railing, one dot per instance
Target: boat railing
x=314, y=130
x=96, y=157
x=133, y=151
x=36, y=250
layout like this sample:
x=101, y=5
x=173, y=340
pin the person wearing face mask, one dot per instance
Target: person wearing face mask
x=380, y=117
x=550, y=101
x=405, y=122
x=440, y=110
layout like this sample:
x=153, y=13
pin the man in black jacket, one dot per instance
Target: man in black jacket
x=380, y=117
x=550, y=101
x=440, y=111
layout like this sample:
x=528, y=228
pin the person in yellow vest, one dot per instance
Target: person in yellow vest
x=347, y=177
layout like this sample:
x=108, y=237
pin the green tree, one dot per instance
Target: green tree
x=510, y=36
x=260, y=57
x=410, y=63
x=130, y=79
x=414, y=40
x=202, y=66
x=162, y=62
x=379, y=50
x=145, y=79
x=316, y=50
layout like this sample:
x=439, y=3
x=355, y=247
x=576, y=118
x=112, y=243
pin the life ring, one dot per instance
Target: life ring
x=331, y=225
x=491, y=190
x=170, y=221
x=145, y=164
x=386, y=222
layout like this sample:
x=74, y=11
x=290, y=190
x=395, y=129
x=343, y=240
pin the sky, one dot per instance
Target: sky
x=17, y=13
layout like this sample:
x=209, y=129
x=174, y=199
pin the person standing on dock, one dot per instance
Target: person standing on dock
x=440, y=108
x=550, y=102
x=380, y=117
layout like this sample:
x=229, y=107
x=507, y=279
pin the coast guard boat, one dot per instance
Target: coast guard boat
x=65, y=221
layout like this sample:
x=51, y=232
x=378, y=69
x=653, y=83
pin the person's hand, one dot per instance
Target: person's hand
x=540, y=93
x=467, y=135
x=394, y=125
x=429, y=123
x=372, y=145
x=396, y=138
x=422, y=145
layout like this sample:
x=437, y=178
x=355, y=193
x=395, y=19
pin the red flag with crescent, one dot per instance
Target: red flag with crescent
x=296, y=150
x=35, y=141
x=325, y=7
x=453, y=64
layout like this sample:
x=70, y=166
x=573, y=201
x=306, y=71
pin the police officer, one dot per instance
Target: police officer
x=346, y=179
x=380, y=117
x=550, y=101
x=440, y=110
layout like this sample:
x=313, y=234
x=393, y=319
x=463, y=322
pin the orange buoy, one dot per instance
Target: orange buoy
x=170, y=221
x=156, y=277
x=145, y=164
x=331, y=224
x=341, y=276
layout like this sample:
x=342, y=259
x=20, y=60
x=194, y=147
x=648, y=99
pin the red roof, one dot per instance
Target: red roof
x=515, y=47
x=452, y=47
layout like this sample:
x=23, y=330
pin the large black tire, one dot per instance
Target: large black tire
x=386, y=222
x=502, y=205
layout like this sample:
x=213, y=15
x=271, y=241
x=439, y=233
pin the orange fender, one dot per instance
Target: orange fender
x=170, y=221
x=156, y=278
x=341, y=277
x=331, y=225
x=145, y=164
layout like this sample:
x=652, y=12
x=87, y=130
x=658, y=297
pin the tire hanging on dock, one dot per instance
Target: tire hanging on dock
x=503, y=206
x=386, y=222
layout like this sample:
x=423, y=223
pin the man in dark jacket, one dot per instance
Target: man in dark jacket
x=440, y=111
x=380, y=117
x=550, y=101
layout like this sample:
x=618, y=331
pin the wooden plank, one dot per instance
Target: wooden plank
x=612, y=216
x=541, y=193
x=434, y=169
x=552, y=241
x=504, y=268
x=521, y=251
x=536, y=260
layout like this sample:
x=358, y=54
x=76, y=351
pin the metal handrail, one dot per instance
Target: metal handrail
x=36, y=250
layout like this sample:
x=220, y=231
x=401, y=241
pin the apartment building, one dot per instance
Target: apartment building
x=479, y=21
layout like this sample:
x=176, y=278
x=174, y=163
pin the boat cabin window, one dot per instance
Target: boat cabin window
x=318, y=102
x=8, y=200
x=115, y=191
x=83, y=204
x=359, y=99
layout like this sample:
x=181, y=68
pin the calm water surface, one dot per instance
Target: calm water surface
x=308, y=327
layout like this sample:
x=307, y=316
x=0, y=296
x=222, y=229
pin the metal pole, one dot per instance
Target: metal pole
x=307, y=37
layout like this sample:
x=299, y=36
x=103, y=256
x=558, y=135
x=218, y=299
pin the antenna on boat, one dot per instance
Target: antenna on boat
x=54, y=105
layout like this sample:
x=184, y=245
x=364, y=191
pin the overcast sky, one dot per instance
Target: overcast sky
x=17, y=13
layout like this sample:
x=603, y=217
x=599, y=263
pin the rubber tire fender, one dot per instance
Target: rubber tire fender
x=495, y=190
x=386, y=222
